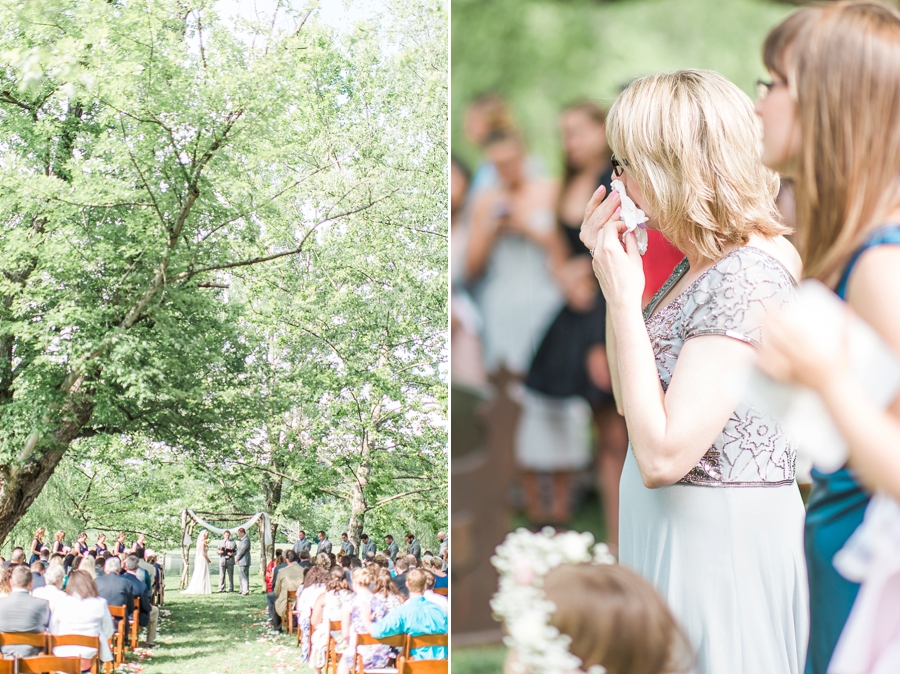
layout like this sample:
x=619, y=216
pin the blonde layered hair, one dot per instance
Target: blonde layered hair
x=842, y=65
x=693, y=143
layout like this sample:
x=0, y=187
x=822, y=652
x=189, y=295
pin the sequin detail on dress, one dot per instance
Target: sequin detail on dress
x=731, y=298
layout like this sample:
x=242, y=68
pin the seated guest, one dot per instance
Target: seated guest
x=440, y=576
x=88, y=565
x=363, y=602
x=401, y=566
x=20, y=612
x=280, y=563
x=149, y=614
x=305, y=561
x=52, y=589
x=149, y=564
x=328, y=607
x=413, y=561
x=417, y=616
x=381, y=560
x=115, y=589
x=385, y=588
x=37, y=575
x=17, y=557
x=82, y=611
x=5, y=573
x=289, y=579
x=275, y=561
x=313, y=586
x=430, y=594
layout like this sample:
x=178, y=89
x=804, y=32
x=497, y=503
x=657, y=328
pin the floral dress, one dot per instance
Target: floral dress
x=374, y=656
x=332, y=610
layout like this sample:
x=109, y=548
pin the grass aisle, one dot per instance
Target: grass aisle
x=218, y=634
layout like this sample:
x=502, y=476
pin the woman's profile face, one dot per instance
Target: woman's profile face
x=781, y=128
x=584, y=139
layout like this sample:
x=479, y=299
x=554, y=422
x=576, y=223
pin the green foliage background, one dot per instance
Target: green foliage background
x=544, y=54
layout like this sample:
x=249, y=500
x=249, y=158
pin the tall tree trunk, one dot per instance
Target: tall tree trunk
x=358, y=505
x=272, y=488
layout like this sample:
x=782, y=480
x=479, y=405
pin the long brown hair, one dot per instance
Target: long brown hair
x=82, y=584
x=843, y=71
x=616, y=619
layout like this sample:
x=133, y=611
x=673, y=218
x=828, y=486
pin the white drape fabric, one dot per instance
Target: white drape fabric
x=233, y=529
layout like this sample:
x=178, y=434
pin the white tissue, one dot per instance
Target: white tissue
x=632, y=216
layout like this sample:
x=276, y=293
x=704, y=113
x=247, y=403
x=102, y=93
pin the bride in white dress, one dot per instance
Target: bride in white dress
x=200, y=583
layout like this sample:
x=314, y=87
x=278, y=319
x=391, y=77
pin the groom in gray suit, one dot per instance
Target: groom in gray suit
x=243, y=560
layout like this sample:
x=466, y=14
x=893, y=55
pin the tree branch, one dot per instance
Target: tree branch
x=406, y=493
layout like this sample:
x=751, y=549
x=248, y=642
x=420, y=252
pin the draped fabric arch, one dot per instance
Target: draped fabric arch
x=190, y=519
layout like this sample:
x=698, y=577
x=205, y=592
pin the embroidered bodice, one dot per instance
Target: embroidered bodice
x=731, y=298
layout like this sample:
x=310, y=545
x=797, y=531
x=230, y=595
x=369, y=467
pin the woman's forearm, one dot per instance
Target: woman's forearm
x=612, y=359
x=873, y=435
x=640, y=395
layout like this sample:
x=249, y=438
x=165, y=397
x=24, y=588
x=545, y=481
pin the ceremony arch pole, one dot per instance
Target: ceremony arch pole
x=190, y=519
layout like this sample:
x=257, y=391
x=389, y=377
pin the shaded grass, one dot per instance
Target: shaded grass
x=219, y=633
x=478, y=660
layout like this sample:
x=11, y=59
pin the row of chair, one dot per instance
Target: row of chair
x=405, y=642
x=40, y=664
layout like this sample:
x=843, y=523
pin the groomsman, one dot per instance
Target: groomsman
x=393, y=548
x=413, y=548
x=242, y=558
x=324, y=543
x=367, y=546
x=347, y=545
x=227, y=551
x=303, y=543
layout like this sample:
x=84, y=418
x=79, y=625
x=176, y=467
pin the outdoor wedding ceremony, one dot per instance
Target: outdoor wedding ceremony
x=224, y=336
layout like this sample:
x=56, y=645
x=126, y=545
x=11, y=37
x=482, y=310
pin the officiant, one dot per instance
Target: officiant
x=227, y=552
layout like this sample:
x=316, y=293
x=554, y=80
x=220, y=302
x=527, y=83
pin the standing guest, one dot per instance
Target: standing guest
x=58, y=543
x=139, y=548
x=431, y=595
x=36, y=544
x=412, y=546
x=289, y=580
x=37, y=575
x=363, y=602
x=416, y=616
x=270, y=567
x=392, y=548
x=119, y=545
x=81, y=546
x=101, y=548
x=302, y=543
x=51, y=592
x=115, y=589
x=5, y=573
x=441, y=578
x=227, y=551
x=401, y=568
x=20, y=612
x=82, y=610
x=831, y=124
x=149, y=614
x=687, y=146
x=305, y=562
x=367, y=546
x=324, y=543
x=568, y=383
x=242, y=559
x=347, y=545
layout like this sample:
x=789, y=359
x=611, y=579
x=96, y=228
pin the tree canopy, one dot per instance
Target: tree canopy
x=223, y=260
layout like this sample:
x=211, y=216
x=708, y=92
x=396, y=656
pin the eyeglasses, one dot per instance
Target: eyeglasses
x=619, y=166
x=764, y=88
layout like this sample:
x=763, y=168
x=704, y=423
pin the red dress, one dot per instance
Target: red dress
x=659, y=263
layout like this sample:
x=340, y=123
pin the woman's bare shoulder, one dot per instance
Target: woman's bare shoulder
x=783, y=251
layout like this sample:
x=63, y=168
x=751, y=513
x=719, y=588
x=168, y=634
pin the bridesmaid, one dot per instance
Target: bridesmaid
x=58, y=544
x=139, y=547
x=101, y=546
x=36, y=544
x=831, y=118
x=81, y=546
x=119, y=545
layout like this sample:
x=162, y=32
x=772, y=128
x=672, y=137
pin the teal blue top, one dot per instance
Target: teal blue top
x=836, y=508
x=416, y=617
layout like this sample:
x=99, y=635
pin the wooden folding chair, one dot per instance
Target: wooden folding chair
x=424, y=667
x=445, y=591
x=24, y=639
x=288, y=616
x=398, y=641
x=7, y=666
x=118, y=637
x=331, y=654
x=49, y=664
x=76, y=640
x=135, y=622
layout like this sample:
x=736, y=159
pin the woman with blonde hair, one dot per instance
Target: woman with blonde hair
x=36, y=544
x=362, y=608
x=709, y=509
x=58, y=543
x=831, y=118
x=328, y=607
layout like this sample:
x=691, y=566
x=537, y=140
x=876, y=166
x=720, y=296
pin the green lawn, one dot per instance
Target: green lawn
x=216, y=634
x=478, y=660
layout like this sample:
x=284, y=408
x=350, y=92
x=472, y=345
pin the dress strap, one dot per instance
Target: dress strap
x=888, y=234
